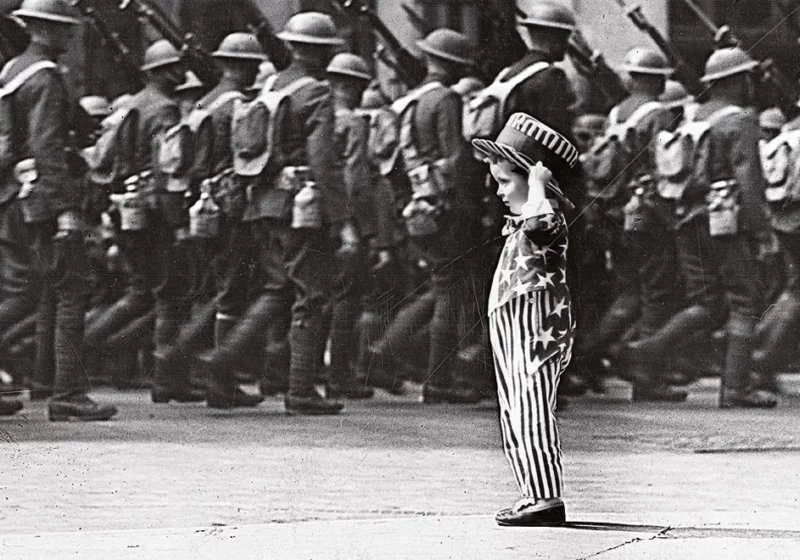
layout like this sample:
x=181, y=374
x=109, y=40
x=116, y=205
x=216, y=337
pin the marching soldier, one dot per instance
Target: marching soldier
x=721, y=222
x=298, y=213
x=641, y=244
x=41, y=209
x=440, y=214
x=349, y=77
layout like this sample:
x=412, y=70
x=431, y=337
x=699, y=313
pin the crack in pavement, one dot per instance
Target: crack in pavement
x=658, y=535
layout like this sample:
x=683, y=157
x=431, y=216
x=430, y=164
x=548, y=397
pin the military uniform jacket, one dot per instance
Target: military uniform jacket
x=157, y=114
x=534, y=258
x=307, y=134
x=547, y=95
x=41, y=115
x=221, y=111
x=734, y=155
x=785, y=215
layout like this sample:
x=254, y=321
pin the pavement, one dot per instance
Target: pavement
x=392, y=478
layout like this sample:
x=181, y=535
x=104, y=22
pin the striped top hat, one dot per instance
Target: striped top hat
x=525, y=140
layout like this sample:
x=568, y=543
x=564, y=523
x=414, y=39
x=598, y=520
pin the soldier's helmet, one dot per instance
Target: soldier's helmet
x=550, y=15
x=468, y=86
x=347, y=64
x=373, y=98
x=643, y=60
x=448, y=45
x=311, y=28
x=675, y=94
x=240, y=46
x=727, y=62
x=771, y=119
x=53, y=11
x=95, y=105
x=161, y=53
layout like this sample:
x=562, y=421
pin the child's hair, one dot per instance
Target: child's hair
x=550, y=161
x=494, y=158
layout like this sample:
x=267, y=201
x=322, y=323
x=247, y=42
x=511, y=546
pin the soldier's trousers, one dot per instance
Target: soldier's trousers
x=291, y=272
x=18, y=290
x=776, y=334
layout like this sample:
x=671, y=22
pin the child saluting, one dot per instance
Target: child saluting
x=530, y=314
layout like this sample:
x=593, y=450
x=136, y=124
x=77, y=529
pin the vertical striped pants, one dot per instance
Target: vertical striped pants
x=527, y=379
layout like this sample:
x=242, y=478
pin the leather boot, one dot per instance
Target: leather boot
x=9, y=407
x=735, y=391
x=775, y=334
x=79, y=408
x=170, y=384
x=678, y=328
x=342, y=381
x=650, y=386
x=303, y=397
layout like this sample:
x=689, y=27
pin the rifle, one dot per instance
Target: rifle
x=778, y=90
x=13, y=37
x=197, y=60
x=592, y=64
x=277, y=51
x=112, y=43
x=682, y=72
x=410, y=69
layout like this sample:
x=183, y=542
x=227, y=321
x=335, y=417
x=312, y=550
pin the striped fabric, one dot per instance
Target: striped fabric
x=526, y=387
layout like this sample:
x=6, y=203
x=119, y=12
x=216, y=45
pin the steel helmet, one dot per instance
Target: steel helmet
x=727, y=62
x=192, y=82
x=312, y=28
x=468, y=86
x=373, y=98
x=675, y=94
x=347, y=64
x=552, y=15
x=161, y=53
x=643, y=60
x=95, y=105
x=448, y=45
x=771, y=118
x=55, y=11
x=244, y=46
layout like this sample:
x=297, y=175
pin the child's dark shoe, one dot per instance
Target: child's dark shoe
x=532, y=514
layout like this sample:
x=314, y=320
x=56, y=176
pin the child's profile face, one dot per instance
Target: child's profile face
x=512, y=186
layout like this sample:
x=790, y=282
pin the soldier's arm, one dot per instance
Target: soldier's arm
x=356, y=159
x=322, y=156
x=743, y=134
x=48, y=132
x=451, y=142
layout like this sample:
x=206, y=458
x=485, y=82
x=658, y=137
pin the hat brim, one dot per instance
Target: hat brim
x=643, y=70
x=351, y=74
x=240, y=56
x=159, y=64
x=425, y=47
x=490, y=148
x=546, y=23
x=310, y=40
x=53, y=18
x=731, y=72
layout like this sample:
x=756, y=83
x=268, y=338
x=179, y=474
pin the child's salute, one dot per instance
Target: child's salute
x=530, y=312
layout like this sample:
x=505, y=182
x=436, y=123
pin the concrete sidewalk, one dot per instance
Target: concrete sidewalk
x=395, y=479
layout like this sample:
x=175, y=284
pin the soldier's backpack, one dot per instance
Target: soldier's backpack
x=682, y=157
x=607, y=163
x=780, y=159
x=8, y=148
x=111, y=159
x=256, y=127
x=483, y=115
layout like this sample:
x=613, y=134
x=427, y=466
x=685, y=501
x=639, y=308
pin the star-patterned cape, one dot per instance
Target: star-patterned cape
x=534, y=258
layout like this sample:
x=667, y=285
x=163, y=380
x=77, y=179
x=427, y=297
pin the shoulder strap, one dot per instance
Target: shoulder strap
x=721, y=114
x=642, y=112
x=223, y=99
x=17, y=81
x=613, y=116
x=403, y=103
x=297, y=85
x=523, y=75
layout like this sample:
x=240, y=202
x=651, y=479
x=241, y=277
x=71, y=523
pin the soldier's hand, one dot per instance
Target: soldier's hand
x=69, y=221
x=349, y=238
x=384, y=259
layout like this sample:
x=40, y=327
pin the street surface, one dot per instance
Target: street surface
x=392, y=478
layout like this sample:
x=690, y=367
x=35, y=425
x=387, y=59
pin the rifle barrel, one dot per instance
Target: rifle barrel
x=702, y=16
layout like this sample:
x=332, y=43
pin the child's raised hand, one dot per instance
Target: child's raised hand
x=539, y=175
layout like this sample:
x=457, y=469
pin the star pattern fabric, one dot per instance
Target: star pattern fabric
x=533, y=259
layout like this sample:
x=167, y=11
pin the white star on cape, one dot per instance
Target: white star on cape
x=522, y=261
x=560, y=307
x=546, y=280
x=546, y=339
x=522, y=287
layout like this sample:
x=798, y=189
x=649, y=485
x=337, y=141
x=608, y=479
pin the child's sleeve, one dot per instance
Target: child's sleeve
x=545, y=224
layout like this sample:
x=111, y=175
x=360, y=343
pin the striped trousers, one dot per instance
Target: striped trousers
x=527, y=379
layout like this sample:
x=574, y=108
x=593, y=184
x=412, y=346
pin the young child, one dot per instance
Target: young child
x=530, y=315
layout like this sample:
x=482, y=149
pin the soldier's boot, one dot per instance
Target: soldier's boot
x=233, y=337
x=342, y=381
x=649, y=384
x=775, y=340
x=9, y=407
x=275, y=377
x=303, y=397
x=678, y=328
x=735, y=390
x=171, y=374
